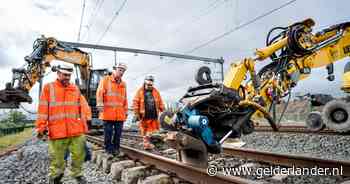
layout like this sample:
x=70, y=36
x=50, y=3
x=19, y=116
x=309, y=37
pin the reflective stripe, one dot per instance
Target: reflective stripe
x=64, y=116
x=114, y=94
x=42, y=117
x=99, y=103
x=110, y=92
x=52, y=92
x=113, y=104
x=53, y=104
x=44, y=103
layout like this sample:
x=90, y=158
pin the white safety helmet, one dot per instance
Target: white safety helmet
x=149, y=77
x=66, y=69
x=120, y=65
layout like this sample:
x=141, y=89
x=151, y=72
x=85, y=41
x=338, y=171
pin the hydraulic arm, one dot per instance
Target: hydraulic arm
x=45, y=50
x=211, y=113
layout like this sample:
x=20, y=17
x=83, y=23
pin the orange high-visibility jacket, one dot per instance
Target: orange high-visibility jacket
x=112, y=97
x=62, y=111
x=139, y=102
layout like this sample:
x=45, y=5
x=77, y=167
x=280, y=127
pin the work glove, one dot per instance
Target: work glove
x=42, y=135
x=99, y=108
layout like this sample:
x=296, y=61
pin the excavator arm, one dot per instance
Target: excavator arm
x=45, y=50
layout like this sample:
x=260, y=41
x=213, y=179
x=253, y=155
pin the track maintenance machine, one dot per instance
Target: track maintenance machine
x=210, y=113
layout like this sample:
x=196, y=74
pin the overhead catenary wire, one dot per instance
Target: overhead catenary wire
x=93, y=16
x=228, y=32
x=81, y=19
x=240, y=27
x=111, y=22
x=210, y=8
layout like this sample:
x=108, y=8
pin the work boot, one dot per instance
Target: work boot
x=56, y=180
x=81, y=180
x=116, y=153
x=148, y=146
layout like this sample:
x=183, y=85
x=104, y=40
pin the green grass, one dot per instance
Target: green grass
x=15, y=139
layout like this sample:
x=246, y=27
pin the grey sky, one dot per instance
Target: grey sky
x=165, y=25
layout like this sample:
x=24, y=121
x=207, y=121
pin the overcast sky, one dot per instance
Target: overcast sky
x=176, y=26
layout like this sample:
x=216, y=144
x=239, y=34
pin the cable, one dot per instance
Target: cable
x=230, y=31
x=110, y=23
x=81, y=20
x=240, y=26
x=94, y=16
x=193, y=19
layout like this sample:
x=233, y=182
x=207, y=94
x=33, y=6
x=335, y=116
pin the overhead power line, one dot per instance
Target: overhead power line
x=81, y=19
x=228, y=32
x=210, y=8
x=240, y=26
x=93, y=16
x=111, y=22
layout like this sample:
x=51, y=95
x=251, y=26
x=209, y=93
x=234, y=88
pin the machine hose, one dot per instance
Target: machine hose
x=258, y=107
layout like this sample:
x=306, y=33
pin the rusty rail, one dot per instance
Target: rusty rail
x=280, y=159
x=173, y=167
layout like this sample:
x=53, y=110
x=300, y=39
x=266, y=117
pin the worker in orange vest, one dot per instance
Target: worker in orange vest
x=63, y=112
x=147, y=105
x=112, y=103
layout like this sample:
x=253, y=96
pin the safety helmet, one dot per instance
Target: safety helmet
x=66, y=69
x=149, y=77
x=120, y=65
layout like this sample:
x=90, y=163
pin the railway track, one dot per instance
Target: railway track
x=175, y=168
x=288, y=160
x=297, y=129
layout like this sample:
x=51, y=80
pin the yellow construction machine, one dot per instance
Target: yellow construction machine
x=211, y=113
x=46, y=50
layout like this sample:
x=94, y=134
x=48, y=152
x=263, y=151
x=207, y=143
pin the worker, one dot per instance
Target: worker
x=147, y=105
x=112, y=103
x=62, y=112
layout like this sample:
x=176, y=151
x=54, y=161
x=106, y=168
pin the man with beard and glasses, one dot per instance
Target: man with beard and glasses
x=63, y=112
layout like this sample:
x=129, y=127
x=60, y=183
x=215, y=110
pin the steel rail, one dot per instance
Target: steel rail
x=289, y=159
x=173, y=167
x=297, y=129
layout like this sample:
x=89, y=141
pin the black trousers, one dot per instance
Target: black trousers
x=112, y=134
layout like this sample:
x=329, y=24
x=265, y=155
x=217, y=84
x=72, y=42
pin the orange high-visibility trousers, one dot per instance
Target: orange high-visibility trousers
x=148, y=126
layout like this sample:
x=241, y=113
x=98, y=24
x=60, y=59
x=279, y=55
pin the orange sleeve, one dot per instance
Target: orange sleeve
x=43, y=109
x=125, y=103
x=100, y=92
x=136, y=103
x=161, y=104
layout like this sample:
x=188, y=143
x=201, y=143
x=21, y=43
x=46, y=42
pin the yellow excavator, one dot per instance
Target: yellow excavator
x=46, y=50
x=210, y=113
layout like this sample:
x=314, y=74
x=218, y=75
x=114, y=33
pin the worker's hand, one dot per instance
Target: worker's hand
x=39, y=135
x=99, y=108
x=42, y=135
